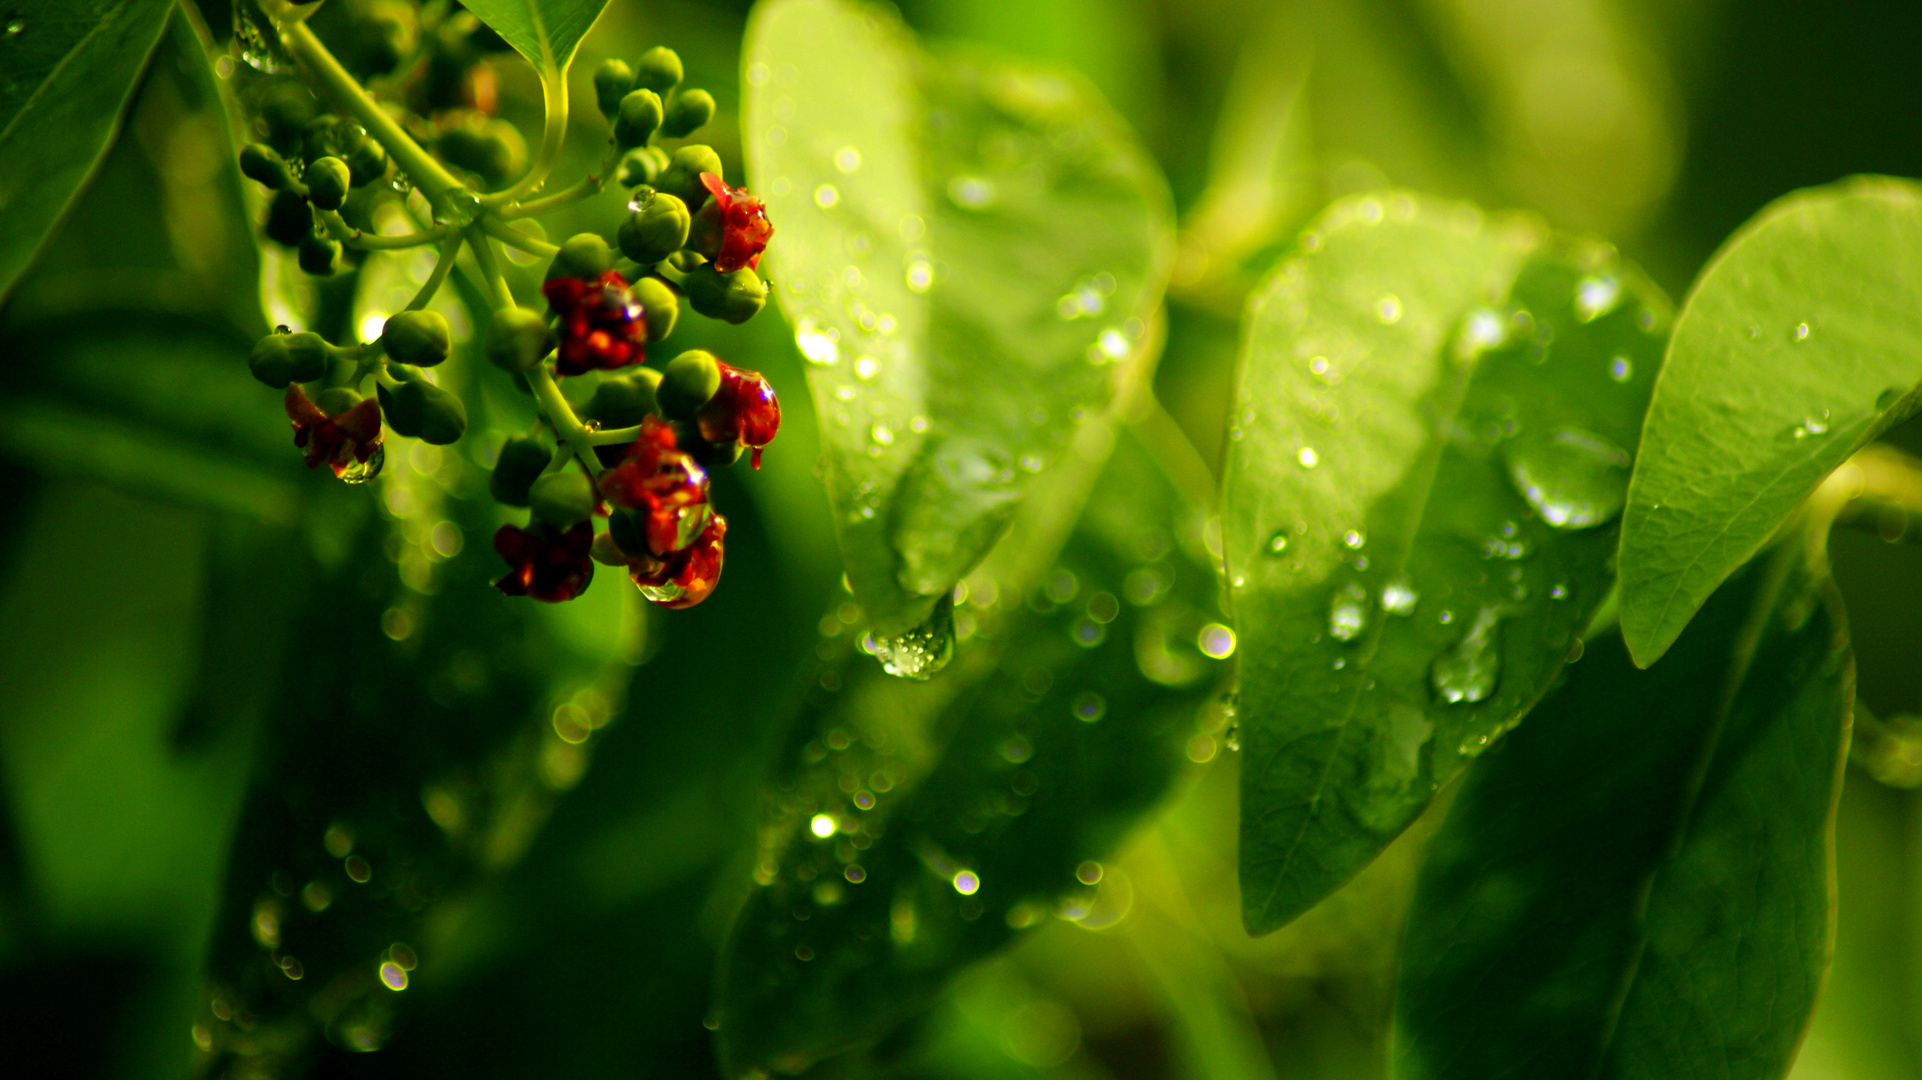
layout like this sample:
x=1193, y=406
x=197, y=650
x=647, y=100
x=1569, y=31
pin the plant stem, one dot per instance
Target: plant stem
x=513, y=238
x=614, y=436
x=553, y=135
x=490, y=266
x=588, y=187
x=449, y=251
x=366, y=241
x=547, y=395
x=347, y=92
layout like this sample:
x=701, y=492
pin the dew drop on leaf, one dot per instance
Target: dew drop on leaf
x=1348, y=612
x=1399, y=597
x=1574, y=478
x=1278, y=543
x=1467, y=671
x=922, y=652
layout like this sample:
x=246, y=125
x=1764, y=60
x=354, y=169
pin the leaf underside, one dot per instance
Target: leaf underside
x=547, y=32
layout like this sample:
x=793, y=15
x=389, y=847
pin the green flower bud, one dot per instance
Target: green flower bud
x=733, y=297
x=338, y=400
x=289, y=221
x=259, y=163
x=279, y=359
x=318, y=140
x=492, y=149
x=691, y=111
x=517, y=339
x=656, y=230
x=687, y=434
x=625, y=400
x=420, y=338
x=612, y=80
x=627, y=529
x=658, y=69
x=327, y=182
x=640, y=115
x=689, y=382
x=563, y=499
x=641, y=165
x=663, y=308
x=419, y=409
x=682, y=177
x=584, y=255
x=319, y=257
x=521, y=462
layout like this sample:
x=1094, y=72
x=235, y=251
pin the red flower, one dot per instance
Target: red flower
x=546, y=564
x=745, y=227
x=348, y=441
x=601, y=325
x=743, y=410
x=687, y=578
x=665, y=485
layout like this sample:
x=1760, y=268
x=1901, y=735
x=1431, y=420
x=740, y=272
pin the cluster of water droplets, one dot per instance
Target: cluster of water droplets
x=921, y=652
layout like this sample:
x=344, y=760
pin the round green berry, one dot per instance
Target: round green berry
x=319, y=257
x=657, y=229
x=563, y=499
x=625, y=400
x=691, y=111
x=682, y=177
x=732, y=297
x=638, y=119
x=279, y=359
x=658, y=69
x=612, y=80
x=420, y=338
x=585, y=255
x=259, y=163
x=327, y=182
x=521, y=462
x=658, y=301
x=289, y=221
x=517, y=339
x=418, y=409
x=689, y=382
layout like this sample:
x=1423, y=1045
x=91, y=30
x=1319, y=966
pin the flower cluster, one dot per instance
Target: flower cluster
x=663, y=527
x=745, y=227
x=546, y=563
x=601, y=326
x=348, y=439
x=743, y=411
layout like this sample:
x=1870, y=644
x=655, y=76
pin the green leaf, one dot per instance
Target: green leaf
x=547, y=32
x=1800, y=342
x=967, y=249
x=985, y=792
x=1640, y=883
x=67, y=68
x=1435, y=419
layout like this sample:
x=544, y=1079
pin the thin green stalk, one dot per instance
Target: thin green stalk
x=490, y=265
x=614, y=436
x=586, y=189
x=449, y=251
x=513, y=238
x=347, y=92
x=366, y=241
x=553, y=135
x=547, y=395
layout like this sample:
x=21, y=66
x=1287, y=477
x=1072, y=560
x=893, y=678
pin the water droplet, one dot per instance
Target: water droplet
x=1354, y=539
x=1278, y=543
x=882, y=434
x=920, y=275
x=827, y=196
x=1596, y=296
x=1558, y=591
x=1088, y=706
x=967, y=882
x=1388, y=309
x=1482, y=329
x=822, y=825
x=1817, y=425
x=1319, y=367
x=1307, y=457
x=254, y=38
x=1621, y=369
x=1216, y=641
x=1231, y=737
x=1348, y=612
x=866, y=367
x=1399, y=597
x=1801, y=332
x=847, y=159
x=922, y=652
x=362, y=471
x=1574, y=478
x=818, y=346
x=1467, y=671
x=1112, y=345
x=971, y=192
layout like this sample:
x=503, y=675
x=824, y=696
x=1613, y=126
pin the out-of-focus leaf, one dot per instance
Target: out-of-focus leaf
x=67, y=68
x=1640, y=883
x=1798, y=344
x=547, y=32
x=967, y=249
x=915, y=828
x=1435, y=421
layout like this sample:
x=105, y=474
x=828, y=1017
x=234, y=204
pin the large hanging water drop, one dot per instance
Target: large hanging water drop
x=1467, y=671
x=922, y=652
x=1574, y=478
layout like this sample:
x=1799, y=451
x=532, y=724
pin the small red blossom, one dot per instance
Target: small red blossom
x=663, y=483
x=689, y=577
x=349, y=441
x=745, y=227
x=546, y=564
x=743, y=410
x=601, y=325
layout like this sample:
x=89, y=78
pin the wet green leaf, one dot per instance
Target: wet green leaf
x=67, y=68
x=967, y=249
x=547, y=32
x=1434, y=427
x=914, y=828
x=1639, y=883
x=1798, y=344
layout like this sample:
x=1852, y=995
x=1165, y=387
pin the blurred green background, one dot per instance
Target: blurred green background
x=190, y=624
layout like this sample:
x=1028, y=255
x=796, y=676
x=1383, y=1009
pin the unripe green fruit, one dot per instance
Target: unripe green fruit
x=517, y=339
x=691, y=111
x=658, y=69
x=612, y=80
x=521, y=462
x=640, y=116
x=259, y=163
x=662, y=307
x=420, y=338
x=289, y=221
x=605, y=551
x=584, y=255
x=563, y=499
x=656, y=230
x=628, y=530
x=279, y=359
x=319, y=257
x=327, y=182
x=492, y=149
x=419, y=409
x=689, y=382
x=387, y=34
x=682, y=177
x=641, y=166
x=735, y=297
x=625, y=400
x=338, y=400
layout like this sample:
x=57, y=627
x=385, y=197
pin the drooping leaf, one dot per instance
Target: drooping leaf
x=967, y=249
x=547, y=32
x=67, y=68
x=1639, y=883
x=1435, y=420
x=1800, y=342
x=914, y=828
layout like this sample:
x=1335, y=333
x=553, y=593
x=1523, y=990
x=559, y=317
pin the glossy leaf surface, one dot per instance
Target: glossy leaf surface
x=67, y=68
x=1639, y=883
x=967, y=250
x=1800, y=342
x=915, y=828
x=1435, y=421
x=547, y=32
